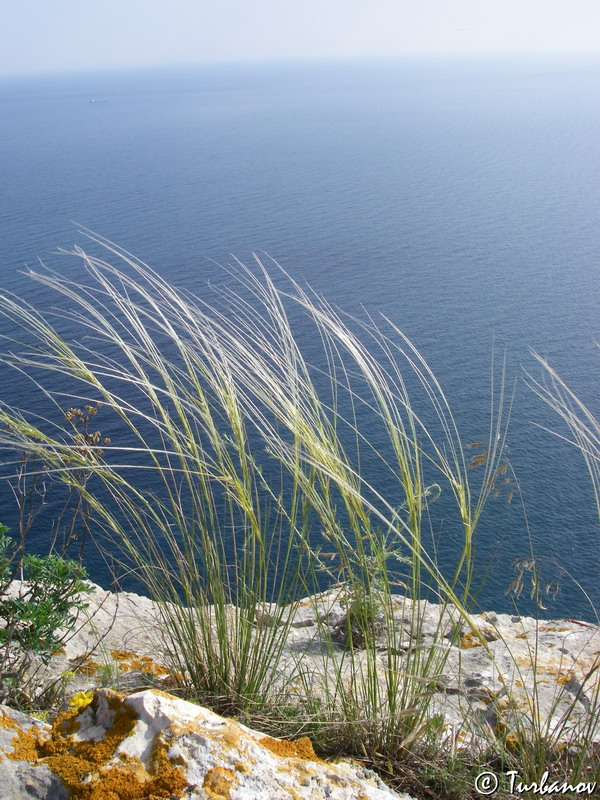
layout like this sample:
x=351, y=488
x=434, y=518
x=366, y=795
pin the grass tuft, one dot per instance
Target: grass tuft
x=238, y=485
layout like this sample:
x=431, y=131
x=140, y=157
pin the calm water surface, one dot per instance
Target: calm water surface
x=460, y=199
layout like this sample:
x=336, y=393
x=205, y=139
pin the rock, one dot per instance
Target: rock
x=20, y=777
x=152, y=744
x=117, y=640
x=500, y=671
x=116, y=621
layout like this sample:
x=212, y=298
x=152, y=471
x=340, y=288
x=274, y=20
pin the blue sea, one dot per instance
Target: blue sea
x=460, y=198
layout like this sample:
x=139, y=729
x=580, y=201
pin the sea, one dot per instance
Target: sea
x=459, y=198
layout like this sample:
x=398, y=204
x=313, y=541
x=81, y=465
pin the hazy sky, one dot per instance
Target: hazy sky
x=48, y=35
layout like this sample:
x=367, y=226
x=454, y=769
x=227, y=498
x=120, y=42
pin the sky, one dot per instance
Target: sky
x=75, y=35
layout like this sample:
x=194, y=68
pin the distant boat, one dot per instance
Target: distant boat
x=98, y=101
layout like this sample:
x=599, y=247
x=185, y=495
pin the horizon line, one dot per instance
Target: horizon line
x=500, y=56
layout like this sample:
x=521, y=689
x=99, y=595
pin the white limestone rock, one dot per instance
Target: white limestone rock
x=116, y=621
x=154, y=744
x=517, y=669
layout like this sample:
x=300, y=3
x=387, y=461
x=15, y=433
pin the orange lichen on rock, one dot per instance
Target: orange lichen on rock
x=24, y=745
x=83, y=765
x=168, y=773
x=563, y=679
x=230, y=735
x=67, y=722
x=469, y=640
x=7, y=722
x=299, y=748
x=99, y=752
x=88, y=668
x=131, y=662
x=218, y=782
x=129, y=781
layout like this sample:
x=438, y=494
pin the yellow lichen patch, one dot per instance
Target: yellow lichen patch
x=178, y=728
x=558, y=670
x=218, y=782
x=78, y=763
x=168, y=777
x=72, y=770
x=160, y=693
x=562, y=680
x=303, y=771
x=523, y=635
x=25, y=742
x=469, y=640
x=131, y=662
x=299, y=748
x=8, y=723
x=117, y=783
x=134, y=763
x=123, y=723
x=168, y=773
x=553, y=628
x=24, y=745
x=88, y=668
x=547, y=664
x=84, y=765
x=129, y=782
x=230, y=735
x=231, y=738
x=66, y=722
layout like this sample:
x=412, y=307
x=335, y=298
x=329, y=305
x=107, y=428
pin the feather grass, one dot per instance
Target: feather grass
x=261, y=496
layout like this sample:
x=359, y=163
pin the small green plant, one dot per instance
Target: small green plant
x=363, y=621
x=108, y=674
x=37, y=613
x=42, y=714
